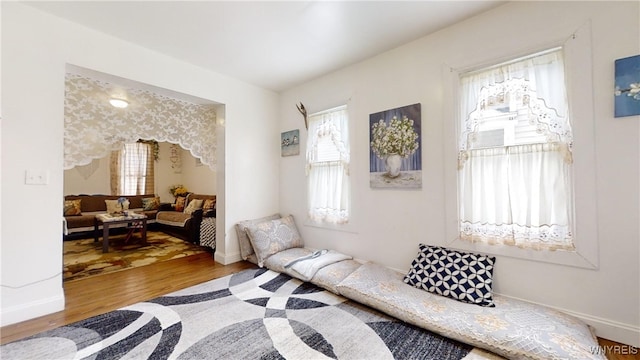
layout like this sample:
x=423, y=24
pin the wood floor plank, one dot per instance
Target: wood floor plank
x=99, y=294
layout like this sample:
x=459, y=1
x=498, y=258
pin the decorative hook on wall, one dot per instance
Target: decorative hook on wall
x=303, y=111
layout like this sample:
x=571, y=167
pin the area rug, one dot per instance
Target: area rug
x=253, y=314
x=84, y=257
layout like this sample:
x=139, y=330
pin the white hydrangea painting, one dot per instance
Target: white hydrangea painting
x=395, y=156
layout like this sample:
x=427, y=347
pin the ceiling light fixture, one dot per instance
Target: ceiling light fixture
x=119, y=103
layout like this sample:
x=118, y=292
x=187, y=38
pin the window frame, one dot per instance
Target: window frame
x=124, y=178
x=579, y=83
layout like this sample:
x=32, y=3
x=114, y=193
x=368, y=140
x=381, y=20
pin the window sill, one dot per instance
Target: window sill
x=576, y=258
x=348, y=227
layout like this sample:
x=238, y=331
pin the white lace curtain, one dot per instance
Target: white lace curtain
x=93, y=128
x=519, y=192
x=328, y=157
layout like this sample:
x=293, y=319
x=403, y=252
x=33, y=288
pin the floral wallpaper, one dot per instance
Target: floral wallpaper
x=93, y=128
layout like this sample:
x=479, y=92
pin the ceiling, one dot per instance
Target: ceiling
x=272, y=44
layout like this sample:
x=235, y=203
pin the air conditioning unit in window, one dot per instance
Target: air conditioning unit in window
x=488, y=139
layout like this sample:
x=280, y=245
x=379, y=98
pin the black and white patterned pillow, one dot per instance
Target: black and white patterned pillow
x=459, y=275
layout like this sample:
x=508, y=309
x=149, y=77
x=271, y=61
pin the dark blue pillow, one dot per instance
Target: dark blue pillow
x=459, y=275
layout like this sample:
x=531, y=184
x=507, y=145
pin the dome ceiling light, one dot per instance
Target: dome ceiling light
x=119, y=103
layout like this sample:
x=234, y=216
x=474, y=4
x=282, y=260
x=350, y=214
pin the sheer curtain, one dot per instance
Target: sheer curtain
x=328, y=155
x=517, y=192
x=132, y=170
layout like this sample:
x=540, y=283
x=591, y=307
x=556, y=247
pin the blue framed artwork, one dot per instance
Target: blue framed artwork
x=627, y=91
x=395, y=148
x=290, y=143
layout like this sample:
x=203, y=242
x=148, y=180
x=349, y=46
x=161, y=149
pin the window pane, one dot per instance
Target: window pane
x=135, y=167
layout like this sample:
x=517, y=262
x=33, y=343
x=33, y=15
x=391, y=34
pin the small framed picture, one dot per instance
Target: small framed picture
x=627, y=91
x=290, y=143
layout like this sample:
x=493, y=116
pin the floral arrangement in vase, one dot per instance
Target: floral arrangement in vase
x=178, y=190
x=393, y=142
x=124, y=205
x=399, y=137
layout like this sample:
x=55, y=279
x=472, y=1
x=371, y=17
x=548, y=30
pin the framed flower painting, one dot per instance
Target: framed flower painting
x=395, y=148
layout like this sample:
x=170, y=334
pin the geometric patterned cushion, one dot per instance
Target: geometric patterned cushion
x=272, y=236
x=459, y=275
x=72, y=207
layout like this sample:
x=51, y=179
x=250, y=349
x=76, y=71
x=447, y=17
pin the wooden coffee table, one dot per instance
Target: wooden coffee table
x=133, y=220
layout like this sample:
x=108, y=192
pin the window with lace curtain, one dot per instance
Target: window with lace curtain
x=132, y=169
x=328, y=188
x=515, y=154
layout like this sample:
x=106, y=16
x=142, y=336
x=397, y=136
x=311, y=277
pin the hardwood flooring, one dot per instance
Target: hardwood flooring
x=99, y=294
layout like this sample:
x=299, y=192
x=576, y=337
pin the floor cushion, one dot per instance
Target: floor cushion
x=514, y=329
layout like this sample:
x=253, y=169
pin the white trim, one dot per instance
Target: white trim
x=32, y=310
x=337, y=108
x=225, y=259
x=348, y=227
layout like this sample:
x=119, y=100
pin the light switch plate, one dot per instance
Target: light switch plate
x=36, y=177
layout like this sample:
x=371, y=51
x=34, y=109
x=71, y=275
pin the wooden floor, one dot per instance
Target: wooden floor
x=99, y=294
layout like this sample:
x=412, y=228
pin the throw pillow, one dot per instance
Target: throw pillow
x=112, y=206
x=272, y=236
x=209, y=204
x=246, y=249
x=150, y=203
x=194, y=205
x=459, y=275
x=180, y=201
x=72, y=207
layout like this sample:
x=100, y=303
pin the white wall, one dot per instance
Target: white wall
x=97, y=183
x=199, y=179
x=388, y=225
x=168, y=175
x=36, y=48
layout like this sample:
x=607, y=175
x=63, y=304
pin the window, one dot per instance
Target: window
x=515, y=154
x=328, y=193
x=132, y=169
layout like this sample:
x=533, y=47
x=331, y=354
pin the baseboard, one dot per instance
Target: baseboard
x=32, y=310
x=627, y=334
x=226, y=259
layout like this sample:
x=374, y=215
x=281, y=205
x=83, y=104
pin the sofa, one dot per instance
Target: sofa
x=187, y=216
x=80, y=210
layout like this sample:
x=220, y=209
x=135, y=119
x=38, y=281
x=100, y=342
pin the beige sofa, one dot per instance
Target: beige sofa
x=188, y=225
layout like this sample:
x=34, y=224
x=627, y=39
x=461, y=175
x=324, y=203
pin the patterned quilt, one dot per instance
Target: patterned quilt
x=208, y=232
